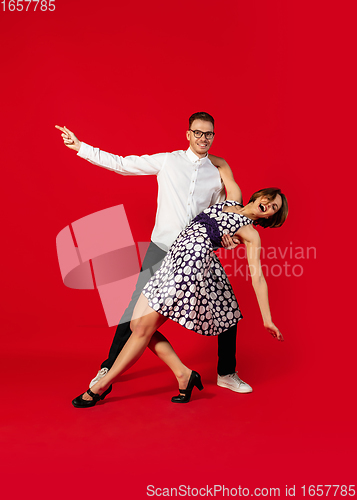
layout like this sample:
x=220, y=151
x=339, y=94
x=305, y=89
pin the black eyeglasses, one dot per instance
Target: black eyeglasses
x=198, y=134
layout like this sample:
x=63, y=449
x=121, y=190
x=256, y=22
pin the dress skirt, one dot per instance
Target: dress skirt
x=191, y=286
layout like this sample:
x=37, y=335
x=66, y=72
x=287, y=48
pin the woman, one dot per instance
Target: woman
x=192, y=288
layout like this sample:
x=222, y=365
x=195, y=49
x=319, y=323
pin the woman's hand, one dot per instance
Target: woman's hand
x=274, y=330
x=69, y=139
x=230, y=243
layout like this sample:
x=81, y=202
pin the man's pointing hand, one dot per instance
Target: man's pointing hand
x=69, y=139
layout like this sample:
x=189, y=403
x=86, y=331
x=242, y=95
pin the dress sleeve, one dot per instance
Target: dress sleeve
x=232, y=203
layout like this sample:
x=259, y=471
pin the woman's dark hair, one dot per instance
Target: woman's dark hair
x=280, y=216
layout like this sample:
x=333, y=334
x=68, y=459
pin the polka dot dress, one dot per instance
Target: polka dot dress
x=191, y=286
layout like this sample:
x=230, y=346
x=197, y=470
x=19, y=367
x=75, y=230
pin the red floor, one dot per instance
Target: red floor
x=288, y=432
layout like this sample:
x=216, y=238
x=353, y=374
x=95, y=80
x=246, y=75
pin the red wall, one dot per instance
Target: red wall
x=279, y=78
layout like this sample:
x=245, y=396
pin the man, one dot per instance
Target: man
x=188, y=183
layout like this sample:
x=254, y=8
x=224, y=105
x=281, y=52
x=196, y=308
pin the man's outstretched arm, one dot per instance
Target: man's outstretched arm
x=129, y=165
x=69, y=139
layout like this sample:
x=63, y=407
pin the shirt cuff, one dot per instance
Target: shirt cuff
x=84, y=151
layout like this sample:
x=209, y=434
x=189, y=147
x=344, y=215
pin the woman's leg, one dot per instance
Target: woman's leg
x=143, y=325
x=160, y=346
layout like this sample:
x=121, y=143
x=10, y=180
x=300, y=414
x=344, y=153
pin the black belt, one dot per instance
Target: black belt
x=212, y=228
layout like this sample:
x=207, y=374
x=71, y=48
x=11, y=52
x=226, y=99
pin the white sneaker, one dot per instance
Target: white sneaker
x=99, y=375
x=234, y=383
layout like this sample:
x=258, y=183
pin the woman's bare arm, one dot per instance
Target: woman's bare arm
x=233, y=190
x=251, y=238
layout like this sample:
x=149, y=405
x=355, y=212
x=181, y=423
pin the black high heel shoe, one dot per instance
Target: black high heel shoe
x=79, y=402
x=195, y=381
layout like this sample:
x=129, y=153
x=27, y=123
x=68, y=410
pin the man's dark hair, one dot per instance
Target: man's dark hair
x=200, y=116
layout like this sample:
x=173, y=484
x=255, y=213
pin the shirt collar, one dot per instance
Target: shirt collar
x=194, y=158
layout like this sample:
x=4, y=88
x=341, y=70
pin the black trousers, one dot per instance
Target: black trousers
x=152, y=262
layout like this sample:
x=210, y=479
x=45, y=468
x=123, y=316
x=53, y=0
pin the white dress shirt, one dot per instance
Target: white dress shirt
x=187, y=185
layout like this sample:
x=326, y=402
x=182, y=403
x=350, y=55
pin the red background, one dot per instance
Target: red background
x=279, y=78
